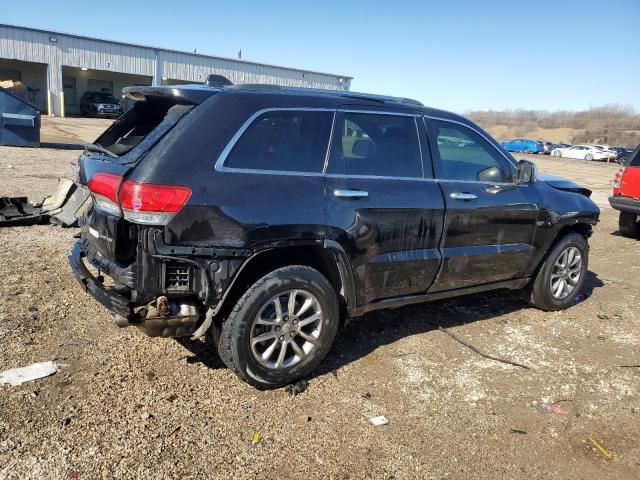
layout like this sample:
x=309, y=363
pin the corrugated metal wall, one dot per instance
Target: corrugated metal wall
x=57, y=50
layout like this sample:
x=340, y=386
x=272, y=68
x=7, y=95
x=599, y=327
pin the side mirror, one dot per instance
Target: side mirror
x=527, y=172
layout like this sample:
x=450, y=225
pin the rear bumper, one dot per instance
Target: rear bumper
x=181, y=319
x=107, y=297
x=625, y=204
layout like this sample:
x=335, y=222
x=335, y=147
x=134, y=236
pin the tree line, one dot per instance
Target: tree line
x=609, y=124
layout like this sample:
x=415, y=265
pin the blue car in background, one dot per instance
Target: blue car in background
x=523, y=145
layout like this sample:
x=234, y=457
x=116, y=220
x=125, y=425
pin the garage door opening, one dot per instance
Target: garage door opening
x=78, y=81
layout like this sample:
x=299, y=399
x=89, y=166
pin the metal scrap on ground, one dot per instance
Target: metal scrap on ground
x=62, y=207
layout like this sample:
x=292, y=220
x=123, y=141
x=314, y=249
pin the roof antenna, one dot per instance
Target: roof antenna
x=240, y=54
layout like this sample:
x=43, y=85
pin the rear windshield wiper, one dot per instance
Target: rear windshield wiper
x=94, y=147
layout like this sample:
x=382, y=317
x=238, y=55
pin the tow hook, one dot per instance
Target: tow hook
x=162, y=306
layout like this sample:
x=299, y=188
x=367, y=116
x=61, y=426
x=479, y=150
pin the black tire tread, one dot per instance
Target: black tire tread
x=536, y=291
x=225, y=333
x=629, y=225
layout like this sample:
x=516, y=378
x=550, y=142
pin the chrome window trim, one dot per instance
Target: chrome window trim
x=327, y=154
x=475, y=130
x=220, y=167
x=415, y=121
x=379, y=112
x=379, y=177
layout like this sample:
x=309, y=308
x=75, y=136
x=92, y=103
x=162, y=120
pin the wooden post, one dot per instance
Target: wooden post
x=62, y=104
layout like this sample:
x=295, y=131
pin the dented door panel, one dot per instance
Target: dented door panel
x=489, y=238
x=391, y=236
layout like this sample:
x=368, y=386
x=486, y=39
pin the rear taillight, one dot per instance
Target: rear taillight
x=145, y=203
x=152, y=204
x=104, y=187
x=617, y=180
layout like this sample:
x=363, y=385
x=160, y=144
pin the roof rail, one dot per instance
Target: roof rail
x=320, y=91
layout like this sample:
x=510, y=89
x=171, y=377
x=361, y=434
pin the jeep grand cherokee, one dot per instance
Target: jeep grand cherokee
x=268, y=214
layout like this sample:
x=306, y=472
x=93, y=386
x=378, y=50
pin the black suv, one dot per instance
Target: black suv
x=270, y=214
x=99, y=104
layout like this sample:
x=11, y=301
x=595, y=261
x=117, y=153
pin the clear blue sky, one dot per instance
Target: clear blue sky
x=457, y=55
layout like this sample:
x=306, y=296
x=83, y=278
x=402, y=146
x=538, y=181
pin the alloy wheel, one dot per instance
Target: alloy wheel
x=286, y=329
x=566, y=273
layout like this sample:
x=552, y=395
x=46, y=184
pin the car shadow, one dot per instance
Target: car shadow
x=365, y=334
x=618, y=233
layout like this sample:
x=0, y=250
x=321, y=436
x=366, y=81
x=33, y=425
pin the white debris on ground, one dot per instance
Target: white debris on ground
x=18, y=376
x=378, y=421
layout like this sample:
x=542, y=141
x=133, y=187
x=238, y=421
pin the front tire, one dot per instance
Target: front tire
x=526, y=150
x=629, y=224
x=281, y=328
x=557, y=154
x=561, y=275
x=588, y=156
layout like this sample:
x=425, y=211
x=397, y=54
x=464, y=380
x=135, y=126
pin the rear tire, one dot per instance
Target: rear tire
x=555, y=286
x=629, y=225
x=256, y=314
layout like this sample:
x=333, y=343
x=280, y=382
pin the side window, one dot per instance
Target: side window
x=290, y=140
x=466, y=155
x=376, y=144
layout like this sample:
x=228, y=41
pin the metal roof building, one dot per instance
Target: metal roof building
x=57, y=68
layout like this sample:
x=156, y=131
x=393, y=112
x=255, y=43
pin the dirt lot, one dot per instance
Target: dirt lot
x=72, y=130
x=125, y=406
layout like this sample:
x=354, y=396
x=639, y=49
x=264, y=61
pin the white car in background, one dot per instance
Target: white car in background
x=608, y=150
x=583, y=152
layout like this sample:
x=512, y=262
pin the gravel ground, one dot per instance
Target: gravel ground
x=126, y=406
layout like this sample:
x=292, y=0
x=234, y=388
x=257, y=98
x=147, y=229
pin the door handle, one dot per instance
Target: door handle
x=463, y=196
x=350, y=193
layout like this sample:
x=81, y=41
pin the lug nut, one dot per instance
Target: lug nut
x=286, y=318
x=295, y=322
x=277, y=329
x=281, y=338
x=293, y=334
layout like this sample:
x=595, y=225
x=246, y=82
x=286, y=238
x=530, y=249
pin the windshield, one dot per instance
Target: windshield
x=104, y=98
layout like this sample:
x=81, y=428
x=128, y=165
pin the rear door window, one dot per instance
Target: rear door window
x=374, y=144
x=284, y=140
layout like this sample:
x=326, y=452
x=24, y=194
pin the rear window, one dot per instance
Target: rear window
x=289, y=141
x=131, y=129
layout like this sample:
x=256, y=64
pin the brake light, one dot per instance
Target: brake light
x=152, y=204
x=617, y=180
x=104, y=187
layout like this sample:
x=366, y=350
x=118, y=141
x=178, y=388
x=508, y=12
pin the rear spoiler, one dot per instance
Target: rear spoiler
x=183, y=94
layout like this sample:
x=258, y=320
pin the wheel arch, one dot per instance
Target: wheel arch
x=329, y=259
x=582, y=227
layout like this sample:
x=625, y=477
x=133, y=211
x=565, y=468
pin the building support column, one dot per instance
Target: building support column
x=157, y=70
x=54, y=88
